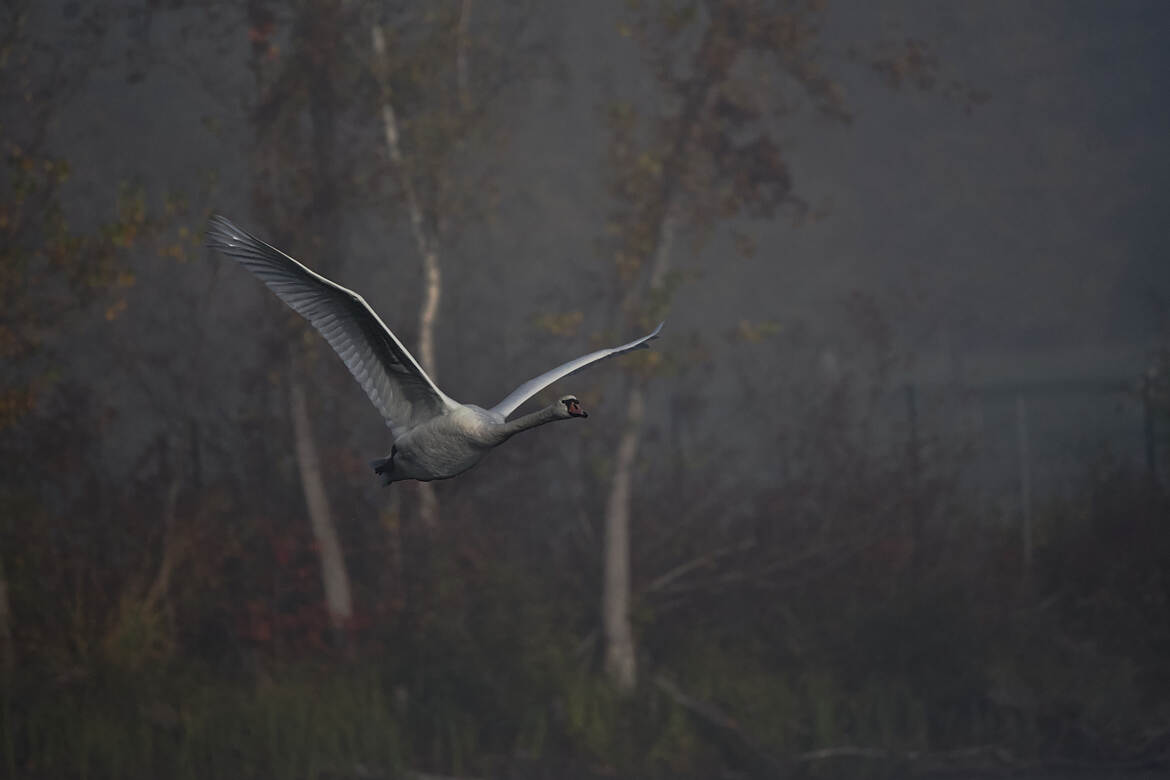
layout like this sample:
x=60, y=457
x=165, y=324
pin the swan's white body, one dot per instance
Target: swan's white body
x=447, y=444
x=435, y=437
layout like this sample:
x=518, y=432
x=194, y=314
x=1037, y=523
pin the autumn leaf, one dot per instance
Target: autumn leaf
x=565, y=325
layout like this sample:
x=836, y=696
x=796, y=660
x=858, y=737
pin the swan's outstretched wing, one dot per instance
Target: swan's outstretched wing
x=536, y=384
x=391, y=377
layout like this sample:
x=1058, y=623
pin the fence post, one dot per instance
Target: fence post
x=1023, y=443
x=1148, y=429
x=915, y=461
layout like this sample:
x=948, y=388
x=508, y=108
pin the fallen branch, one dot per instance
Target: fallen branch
x=757, y=760
x=703, y=560
x=760, y=762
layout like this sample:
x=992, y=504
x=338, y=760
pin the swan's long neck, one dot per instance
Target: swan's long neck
x=512, y=427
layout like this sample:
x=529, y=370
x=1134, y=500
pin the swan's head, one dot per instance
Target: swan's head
x=569, y=406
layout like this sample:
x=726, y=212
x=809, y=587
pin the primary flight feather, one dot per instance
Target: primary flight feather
x=435, y=437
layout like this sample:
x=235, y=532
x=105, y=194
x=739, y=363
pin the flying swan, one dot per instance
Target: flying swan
x=435, y=437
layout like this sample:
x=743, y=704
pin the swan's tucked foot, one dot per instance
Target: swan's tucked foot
x=384, y=467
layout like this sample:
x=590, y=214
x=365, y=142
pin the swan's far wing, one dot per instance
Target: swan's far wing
x=536, y=384
x=391, y=377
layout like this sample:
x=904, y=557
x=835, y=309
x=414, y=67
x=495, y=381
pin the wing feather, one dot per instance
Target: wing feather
x=536, y=384
x=394, y=381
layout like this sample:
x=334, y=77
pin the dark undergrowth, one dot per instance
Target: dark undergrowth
x=855, y=619
x=961, y=662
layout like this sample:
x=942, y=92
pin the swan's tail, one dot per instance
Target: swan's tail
x=384, y=467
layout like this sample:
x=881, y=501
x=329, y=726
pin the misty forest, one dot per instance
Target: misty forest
x=887, y=496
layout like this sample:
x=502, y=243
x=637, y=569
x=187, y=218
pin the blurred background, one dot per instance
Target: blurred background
x=888, y=497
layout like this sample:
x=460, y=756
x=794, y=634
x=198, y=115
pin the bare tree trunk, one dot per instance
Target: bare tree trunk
x=7, y=668
x=428, y=506
x=1023, y=441
x=392, y=523
x=428, y=502
x=323, y=25
x=428, y=509
x=620, y=653
x=318, y=37
x=461, y=55
x=429, y=313
x=615, y=597
x=334, y=576
x=170, y=552
x=7, y=651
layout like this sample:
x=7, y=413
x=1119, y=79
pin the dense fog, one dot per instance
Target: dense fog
x=887, y=496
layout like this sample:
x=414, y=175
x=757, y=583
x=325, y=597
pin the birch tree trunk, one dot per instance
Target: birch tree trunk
x=322, y=38
x=620, y=652
x=428, y=507
x=428, y=502
x=317, y=38
x=334, y=576
x=700, y=168
x=620, y=655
